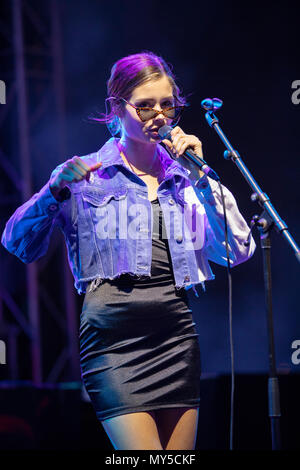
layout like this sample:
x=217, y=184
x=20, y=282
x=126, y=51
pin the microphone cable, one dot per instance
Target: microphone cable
x=212, y=105
x=230, y=320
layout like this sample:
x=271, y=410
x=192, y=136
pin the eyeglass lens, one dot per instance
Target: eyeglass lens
x=146, y=114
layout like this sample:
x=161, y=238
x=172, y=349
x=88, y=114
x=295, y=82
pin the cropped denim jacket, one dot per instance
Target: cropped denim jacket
x=107, y=223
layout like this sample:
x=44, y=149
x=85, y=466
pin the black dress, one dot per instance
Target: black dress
x=139, y=348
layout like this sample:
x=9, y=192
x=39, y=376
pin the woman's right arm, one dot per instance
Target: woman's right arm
x=27, y=233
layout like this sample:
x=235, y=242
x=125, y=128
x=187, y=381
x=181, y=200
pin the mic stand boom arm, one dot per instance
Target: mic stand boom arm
x=264, y=223
x=264, y=201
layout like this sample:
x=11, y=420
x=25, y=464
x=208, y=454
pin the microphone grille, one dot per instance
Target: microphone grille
x=164, y=132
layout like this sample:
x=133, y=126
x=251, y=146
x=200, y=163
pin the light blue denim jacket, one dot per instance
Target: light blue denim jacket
x=107, y=223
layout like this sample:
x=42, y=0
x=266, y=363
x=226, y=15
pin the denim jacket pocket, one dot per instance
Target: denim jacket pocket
x=100, y=199
x=99, y=224
x=102, y=209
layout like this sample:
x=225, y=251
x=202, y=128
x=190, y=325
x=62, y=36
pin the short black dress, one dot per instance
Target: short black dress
x=139, y=347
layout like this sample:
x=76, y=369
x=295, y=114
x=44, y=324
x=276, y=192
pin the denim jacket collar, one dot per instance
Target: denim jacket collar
x=109, y=155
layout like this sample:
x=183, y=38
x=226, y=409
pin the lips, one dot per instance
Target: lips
x=154, y=134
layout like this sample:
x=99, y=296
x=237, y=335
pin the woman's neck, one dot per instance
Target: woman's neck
x=141, y=156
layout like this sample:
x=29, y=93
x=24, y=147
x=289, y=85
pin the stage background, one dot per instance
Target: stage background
x=246, y=54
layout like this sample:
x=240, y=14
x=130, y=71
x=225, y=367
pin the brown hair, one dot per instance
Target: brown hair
x=127, y=74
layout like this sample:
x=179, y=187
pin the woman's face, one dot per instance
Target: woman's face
x=156, y=94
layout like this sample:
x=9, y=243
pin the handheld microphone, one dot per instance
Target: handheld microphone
x=165, y=133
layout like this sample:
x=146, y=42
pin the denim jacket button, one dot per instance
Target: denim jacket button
x=171, y=201
x=179, y=239
x=202, y=185
x=187, y=278
x=53, y=207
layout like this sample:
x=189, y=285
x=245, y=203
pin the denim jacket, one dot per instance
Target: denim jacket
x=107, y=223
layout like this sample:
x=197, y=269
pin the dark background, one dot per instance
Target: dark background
x=246, y=54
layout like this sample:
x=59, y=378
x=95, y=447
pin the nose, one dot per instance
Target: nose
x=159, y=116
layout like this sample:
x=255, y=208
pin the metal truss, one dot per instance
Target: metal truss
x=30, y=32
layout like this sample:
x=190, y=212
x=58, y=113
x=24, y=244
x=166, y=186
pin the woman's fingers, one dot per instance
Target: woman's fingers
x=177, y=143
x=178, y=137
x=75, y=170
x=182, y=146
x=182, y=141
x=168, y=143
x=176, y=130
x=80, y=164
x=69, y=174
x=95, y=167
x=78, y=170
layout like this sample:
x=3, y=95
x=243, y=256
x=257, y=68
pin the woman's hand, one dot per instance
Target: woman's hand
x=180, y=142
x=72, y=171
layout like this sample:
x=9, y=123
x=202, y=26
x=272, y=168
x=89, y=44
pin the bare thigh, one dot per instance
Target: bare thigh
x=177, y=427
x=133, y=431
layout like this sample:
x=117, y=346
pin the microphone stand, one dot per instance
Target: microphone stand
x=264, y=222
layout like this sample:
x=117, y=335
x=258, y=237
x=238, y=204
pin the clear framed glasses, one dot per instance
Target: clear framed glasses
x=146, y=113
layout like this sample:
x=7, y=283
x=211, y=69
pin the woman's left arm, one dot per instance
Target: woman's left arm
x=209, y=194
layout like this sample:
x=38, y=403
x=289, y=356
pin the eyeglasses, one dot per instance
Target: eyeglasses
x=145, y=113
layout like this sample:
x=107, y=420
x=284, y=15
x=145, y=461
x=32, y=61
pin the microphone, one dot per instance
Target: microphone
x=165, y=133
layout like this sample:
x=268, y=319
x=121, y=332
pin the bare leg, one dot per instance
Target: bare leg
x=177, y=427
x=133, y=431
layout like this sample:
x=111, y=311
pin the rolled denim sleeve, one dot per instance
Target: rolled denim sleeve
x=27, y=233
x=208, y=192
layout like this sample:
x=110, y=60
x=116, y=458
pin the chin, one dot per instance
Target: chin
x=147, y=138
x=154, y=137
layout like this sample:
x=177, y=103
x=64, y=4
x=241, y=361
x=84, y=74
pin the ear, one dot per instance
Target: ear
x=114, y=126
x=118, y=108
